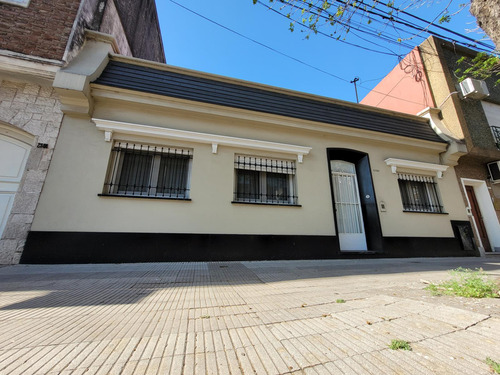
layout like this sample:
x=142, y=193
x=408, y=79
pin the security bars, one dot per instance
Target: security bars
x=148, y=171
x=263, y=180
x=495, y=130
x=419, y=193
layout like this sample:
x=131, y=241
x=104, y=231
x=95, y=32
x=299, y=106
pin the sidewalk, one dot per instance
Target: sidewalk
x=244, y=318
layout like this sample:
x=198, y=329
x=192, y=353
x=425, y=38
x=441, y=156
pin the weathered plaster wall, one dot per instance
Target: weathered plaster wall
x=478, y=134
x=111, y=24
x=34, y=109
x=140, y=22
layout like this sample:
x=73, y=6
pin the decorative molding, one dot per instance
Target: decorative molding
x=38, y=69
x=113, y=93
x=418, y=165
x=110, y=128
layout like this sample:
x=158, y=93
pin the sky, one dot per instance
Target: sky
x=238, y=39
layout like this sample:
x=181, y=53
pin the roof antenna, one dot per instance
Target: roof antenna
x=356, y=79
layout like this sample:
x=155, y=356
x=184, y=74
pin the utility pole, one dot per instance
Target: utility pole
x=356, y=79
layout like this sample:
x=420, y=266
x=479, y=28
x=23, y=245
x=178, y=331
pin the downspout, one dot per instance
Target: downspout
x=456, y=147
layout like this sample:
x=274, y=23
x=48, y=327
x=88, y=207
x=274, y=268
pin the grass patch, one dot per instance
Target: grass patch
x=495, y=366
x=467, y=283
x=399, y=345
x=340, y=300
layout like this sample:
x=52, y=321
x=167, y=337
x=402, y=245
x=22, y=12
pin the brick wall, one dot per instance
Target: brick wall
x=36, y=110
x=41, y=30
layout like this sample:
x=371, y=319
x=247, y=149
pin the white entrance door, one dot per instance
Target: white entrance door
x=347, y=206
x=13, y=156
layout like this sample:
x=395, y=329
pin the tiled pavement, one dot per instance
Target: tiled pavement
x=244, y=318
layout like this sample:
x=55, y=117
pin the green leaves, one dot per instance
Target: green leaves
x=444, y=19
x=482, y=66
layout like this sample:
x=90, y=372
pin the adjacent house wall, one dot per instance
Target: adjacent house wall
x=465, y=119
x=35, y=41
x=404, y=89
x=35, y=110
x=42, y=29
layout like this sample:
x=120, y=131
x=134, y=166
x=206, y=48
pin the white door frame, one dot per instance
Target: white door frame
x=490, y=217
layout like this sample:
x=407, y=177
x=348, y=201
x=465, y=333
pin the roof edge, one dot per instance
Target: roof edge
x=255, y=85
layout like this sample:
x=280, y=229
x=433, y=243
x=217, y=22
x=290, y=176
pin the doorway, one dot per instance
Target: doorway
x=484, y=220
x=354, y=204
x=478, y=217
x=351, y=231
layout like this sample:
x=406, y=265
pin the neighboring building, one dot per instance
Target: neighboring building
x=156, y=163
x=425, y=83
x=37, y=38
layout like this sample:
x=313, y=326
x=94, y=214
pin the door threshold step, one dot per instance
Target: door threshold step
x=358, y=252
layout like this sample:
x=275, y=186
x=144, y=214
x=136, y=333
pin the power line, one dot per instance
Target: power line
x=293, y=58
x=259, y=43
x=389, y=17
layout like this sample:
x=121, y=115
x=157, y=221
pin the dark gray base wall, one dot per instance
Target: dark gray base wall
x=101, y=247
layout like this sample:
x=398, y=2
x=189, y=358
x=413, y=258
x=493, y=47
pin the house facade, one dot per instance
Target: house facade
x=426, y=83
x=157, y=163
x=37, y=38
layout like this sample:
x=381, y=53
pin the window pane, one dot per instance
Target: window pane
x=277, y=187
x=153, y=171
x=248, y=185
x=135, y=174
x=419, y=196
x=173, y=176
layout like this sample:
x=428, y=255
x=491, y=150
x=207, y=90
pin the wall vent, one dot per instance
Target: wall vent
x=474, y=89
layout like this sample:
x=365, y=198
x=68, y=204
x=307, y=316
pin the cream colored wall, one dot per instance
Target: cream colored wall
x=442, y=85
x=70, y=203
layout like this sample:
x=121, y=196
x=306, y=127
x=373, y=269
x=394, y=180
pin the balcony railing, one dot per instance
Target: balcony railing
x=496, y=135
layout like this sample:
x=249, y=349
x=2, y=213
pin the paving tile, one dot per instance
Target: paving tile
x=242, y=318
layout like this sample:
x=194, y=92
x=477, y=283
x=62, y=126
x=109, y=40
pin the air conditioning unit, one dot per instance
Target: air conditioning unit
x=494, y=169
x=474, y=88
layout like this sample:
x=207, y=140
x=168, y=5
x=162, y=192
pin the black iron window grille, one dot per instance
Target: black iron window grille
x=495, y=130
x=148, y=171
x=263, y=180
x=419, y=193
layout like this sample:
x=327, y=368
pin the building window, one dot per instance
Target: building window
x=419, y=193
x=149, y=171
x=263, y=180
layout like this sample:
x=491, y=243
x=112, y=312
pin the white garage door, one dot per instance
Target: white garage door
x=13, y=156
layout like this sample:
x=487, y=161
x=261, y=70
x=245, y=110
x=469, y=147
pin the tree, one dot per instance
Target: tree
x=374, y=23
x=487, y=13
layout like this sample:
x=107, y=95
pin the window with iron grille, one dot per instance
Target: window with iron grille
x=419, y=193
x=148, y=171
x=264, y=180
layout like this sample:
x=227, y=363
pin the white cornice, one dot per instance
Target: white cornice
x=28, y=67
x=416, y=165
x=115, y=127
x=107, y=92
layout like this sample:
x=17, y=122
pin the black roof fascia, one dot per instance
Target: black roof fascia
x=184, y=86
